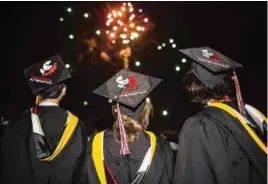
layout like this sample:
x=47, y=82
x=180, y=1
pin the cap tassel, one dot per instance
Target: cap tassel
x=240, y=101
x=123, y=140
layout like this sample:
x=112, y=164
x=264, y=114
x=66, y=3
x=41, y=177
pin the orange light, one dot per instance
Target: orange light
x=125, y=29
x=112, y=35
x=115, y=28
x=123, y=9
x=119, y=13
x=132, y=25
x=114, y=14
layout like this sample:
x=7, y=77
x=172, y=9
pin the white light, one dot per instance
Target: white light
x=124, y=4
x=129, y=4
x=164, y=112
x=67, y=66
x=146, y=20
x=86, y=15
x=171, y=40
x=135, y=35
x=71, y=36
x=115, y=28
x=123, y=36
x=110, y=100
x=98, y=32
x=183, y=60
x=140, y=10
x=137, y=63
x=125, y=41
x=159, y=47
x=173, y=45
x=131, y=9
x=107, y=32
x=163, y=44
x=113, y=41
x=69, y=9
x=61, y=19
x=177, y=68
x=148, y=100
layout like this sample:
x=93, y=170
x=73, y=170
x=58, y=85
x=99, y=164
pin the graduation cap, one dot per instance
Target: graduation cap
x=210, y=67
x=129, y=89
x=46, y=73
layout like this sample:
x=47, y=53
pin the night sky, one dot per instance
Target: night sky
x=31, y=32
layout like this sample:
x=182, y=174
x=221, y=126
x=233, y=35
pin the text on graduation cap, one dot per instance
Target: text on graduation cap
x=212, y=58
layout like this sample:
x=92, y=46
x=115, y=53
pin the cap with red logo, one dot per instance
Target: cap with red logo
x=210, y=66
x=46, y=73
x=129, y=89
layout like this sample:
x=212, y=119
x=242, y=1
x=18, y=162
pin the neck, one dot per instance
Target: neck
x=56, y=101
x=225, y=99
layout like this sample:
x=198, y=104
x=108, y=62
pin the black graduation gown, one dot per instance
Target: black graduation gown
x=21, y=164
x=214, y=148
x=124, y=168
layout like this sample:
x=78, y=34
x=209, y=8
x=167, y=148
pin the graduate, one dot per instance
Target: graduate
x=43, y=146
x=225, y=143
x=128, y=154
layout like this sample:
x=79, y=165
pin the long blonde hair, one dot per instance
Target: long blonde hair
x=131, y=124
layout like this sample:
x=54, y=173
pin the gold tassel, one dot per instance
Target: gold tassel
x=37, y=100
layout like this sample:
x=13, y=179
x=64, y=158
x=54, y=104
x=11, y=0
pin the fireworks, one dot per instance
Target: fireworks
x=124, y=25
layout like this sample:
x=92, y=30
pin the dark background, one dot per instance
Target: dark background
x=31, y=32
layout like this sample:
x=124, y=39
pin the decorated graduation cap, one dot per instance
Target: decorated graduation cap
x=211, y=66
x=129, y=89
x=46, y=74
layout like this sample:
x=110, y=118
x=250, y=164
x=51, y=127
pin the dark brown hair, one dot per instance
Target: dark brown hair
x=52, y=92
x=199, y=93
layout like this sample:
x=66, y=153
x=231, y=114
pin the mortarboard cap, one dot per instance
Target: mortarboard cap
x=46, y=73
x=129, y=89
x=210, y=66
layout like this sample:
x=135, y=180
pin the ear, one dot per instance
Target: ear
x=63, y=92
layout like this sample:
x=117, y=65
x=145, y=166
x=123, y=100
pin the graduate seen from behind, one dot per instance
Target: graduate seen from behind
x=128, y=154
x=225, y=143
x=43, y=146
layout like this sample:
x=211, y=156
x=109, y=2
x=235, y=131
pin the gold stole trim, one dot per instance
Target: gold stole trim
x=69, y=129
x=98, y=157
x=232, y=112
